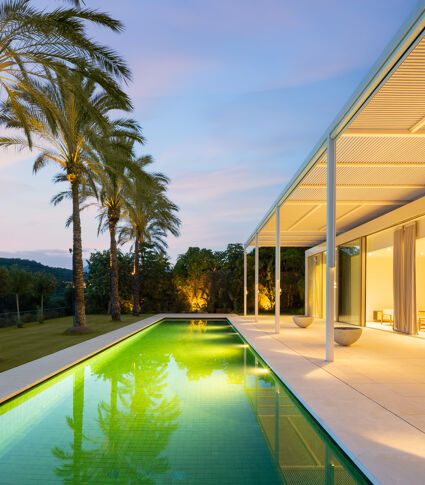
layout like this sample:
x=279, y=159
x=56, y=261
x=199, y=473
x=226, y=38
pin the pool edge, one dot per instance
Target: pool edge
x=19, y=379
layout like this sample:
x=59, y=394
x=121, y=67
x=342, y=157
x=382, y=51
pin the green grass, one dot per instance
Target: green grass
x=34, y=340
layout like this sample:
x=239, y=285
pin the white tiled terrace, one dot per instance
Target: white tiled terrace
x=371, y=399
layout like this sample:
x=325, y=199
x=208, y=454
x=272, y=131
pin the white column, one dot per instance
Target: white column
x=277, y=277
x=306, y=284
x=330, y=249
x=256, y=277
x=245, y=272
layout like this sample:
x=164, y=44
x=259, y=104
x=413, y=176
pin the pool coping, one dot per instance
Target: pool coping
x=23, y=377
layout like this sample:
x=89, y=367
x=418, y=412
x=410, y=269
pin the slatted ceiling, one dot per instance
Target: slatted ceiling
x=391, y=149
x=310, y=213
x=382, y=138
x=311, y=222
x=378, y=175
x=400, y=102
x=289, y=217
x=369, y=193
x=362, y=215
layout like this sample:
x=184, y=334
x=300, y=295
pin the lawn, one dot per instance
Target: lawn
x=34, y=340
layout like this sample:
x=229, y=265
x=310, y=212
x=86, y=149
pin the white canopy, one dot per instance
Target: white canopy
x=380, y=150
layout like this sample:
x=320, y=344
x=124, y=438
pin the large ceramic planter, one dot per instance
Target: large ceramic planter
x=347, y=335
x=302, y=320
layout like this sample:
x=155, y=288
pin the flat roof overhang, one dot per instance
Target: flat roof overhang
x=380, y=150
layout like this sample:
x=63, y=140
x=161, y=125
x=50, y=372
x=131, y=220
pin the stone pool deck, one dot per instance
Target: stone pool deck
x=371, y=400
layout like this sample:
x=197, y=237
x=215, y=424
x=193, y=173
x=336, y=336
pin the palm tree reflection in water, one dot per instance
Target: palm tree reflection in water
x=135, y=425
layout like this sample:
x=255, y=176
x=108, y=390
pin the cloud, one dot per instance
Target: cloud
x=208, y=185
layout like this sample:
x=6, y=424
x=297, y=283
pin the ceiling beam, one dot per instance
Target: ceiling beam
x=377, y=164
x=365, y=186
x=352, y=132
x=348, y=213
x=299, y=233
x=284, y=244
x=347, y=202
x=302, y=218
x=417, y=126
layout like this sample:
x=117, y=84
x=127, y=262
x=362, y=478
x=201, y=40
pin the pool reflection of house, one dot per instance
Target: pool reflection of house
x=358, y=201
x=301, y=451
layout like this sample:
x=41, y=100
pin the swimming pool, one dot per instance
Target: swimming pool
x=181, y=402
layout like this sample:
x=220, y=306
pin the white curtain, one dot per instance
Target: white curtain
x=409, y=316
x=398, y=280
x=404, y=274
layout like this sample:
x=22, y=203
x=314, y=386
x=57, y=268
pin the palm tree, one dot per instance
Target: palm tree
x=71, y=123
x=149, y=216
x=114, y=187
x=110, y=188
x=34, y=42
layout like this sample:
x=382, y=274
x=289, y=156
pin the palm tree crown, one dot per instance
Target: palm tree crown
x=148, y=217
x=33, y=42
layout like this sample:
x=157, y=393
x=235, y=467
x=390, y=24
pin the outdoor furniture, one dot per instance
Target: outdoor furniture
x=347, y=335
x=387, y=316
x=303, y=321
x=377, y=315
x=421, y=320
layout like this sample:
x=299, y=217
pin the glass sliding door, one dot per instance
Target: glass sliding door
x=349, y=279
x=315, y=285
x=379, y=279
x=420, y=275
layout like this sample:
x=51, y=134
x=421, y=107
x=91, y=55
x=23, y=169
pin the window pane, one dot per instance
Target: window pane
x=349, y=282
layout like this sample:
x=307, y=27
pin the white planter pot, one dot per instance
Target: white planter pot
x=303, y=321
x=347, y=335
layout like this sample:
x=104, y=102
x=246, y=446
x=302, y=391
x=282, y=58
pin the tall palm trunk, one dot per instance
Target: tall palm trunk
x=77, y=260
x=136, y=280
x=115, y=297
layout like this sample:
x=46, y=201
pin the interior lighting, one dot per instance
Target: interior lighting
x=262, y=370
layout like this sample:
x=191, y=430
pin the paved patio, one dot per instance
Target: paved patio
x=371, y=399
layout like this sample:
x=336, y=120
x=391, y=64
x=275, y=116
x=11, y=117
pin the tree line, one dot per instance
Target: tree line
x=200, y=280
x=64, y=98
x=18, y=282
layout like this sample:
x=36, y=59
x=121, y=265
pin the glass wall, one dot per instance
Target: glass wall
x=349, y=282
x=420, y=273
x=379, y=278
x=315, y=285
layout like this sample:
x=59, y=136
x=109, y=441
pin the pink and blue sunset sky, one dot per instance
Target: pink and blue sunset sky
x=232, y=95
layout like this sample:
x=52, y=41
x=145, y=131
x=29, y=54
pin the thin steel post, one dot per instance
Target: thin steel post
x=245, y=277
x=256, y=277
x=330, y=248
x=277, y=277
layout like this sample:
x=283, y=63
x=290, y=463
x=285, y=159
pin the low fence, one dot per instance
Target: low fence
x=11, y=318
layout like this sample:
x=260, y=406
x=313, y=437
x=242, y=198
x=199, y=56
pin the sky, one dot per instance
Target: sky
x=232, y=95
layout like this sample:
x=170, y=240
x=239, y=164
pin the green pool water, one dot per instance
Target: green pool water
x=182, y=402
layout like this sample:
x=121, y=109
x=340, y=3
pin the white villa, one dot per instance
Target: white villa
x=358, y=201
